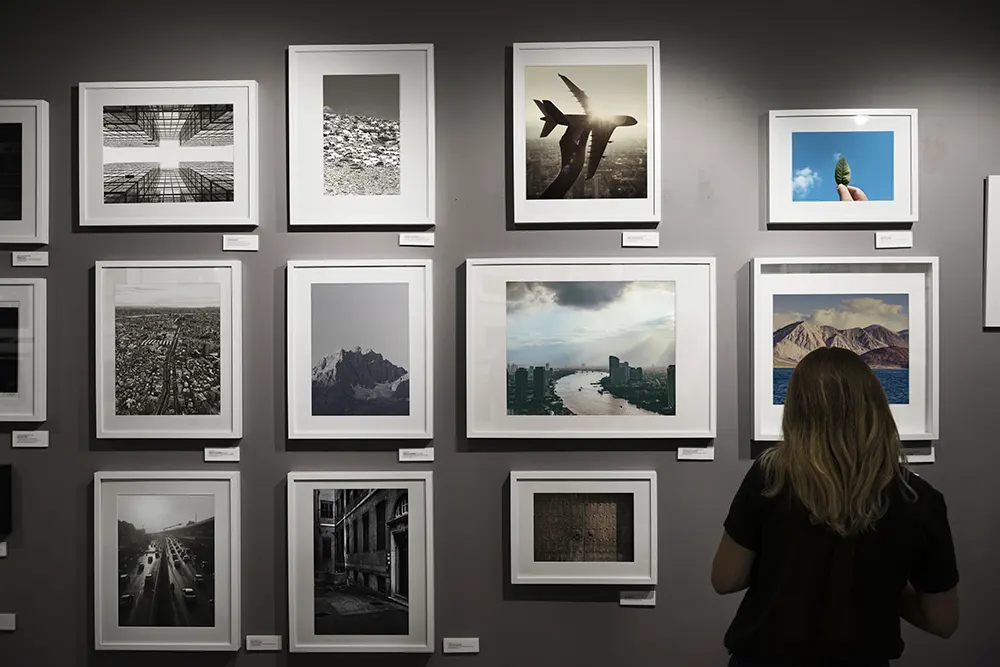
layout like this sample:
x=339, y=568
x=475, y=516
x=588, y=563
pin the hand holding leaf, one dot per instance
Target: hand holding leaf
x=842, y=173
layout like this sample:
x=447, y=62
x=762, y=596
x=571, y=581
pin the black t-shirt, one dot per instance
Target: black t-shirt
x=815, y=595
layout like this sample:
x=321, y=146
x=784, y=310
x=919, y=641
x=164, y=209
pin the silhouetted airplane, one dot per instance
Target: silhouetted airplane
x=599, y=127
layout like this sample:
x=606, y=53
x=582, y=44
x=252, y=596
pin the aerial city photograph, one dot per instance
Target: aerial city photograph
x=591, y=348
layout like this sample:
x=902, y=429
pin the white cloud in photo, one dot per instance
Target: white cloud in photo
x=837, y=156
x=804, y=180
x=784, y=319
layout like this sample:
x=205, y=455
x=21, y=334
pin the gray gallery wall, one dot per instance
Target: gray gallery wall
x=724, y=64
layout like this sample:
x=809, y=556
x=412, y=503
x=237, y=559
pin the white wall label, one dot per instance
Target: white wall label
x=460, y=645
x=8, y=622
x=637, y=598
x=263, y=642
x=416, y=454
x=416, y=238
x=222, y=454
x=241, y=242
x=696, y=453
x=885, y=240
x=29, y=439
x=640, y=239
x=37, y=258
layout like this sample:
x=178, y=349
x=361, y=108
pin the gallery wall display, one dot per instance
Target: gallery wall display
x=360, y=349
x=361, y=562
x=24, y=171
x=169, y=353
x=591, y=348
x=23, y=365
x=177, y=153
x=361, y=146
x=883, y=308
x=167, y=561
x=991, y=289
x=842, y=166
x=593, y=527
x=586, y=132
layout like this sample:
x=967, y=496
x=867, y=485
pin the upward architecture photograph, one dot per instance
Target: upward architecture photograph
x=361, y=561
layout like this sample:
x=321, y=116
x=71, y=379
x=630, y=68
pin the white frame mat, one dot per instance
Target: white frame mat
x=695, y=360
x=228, y=424
x=33, y=225
x=28, y=404
x=524, y=569
x=225, y=635
x=534, y=211
x=904, y=205
x=241, y=212
x=991, y=271
x=418, y=275
x=301, y=555
x=307, y=202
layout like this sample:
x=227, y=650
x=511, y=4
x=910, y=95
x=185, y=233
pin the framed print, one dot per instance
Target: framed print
x=177, y=153
x=842, y=166
x=591, y=348
x=361, y=146
x=360, y=562
x=23, y=336
x=583, y=527
x=167, y=561
x=883, y=308
x=991, y=288
x=586, y=132
x=169, y=349
x=360, y=349
x=24, y=171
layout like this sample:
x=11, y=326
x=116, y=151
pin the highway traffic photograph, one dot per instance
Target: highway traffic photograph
x=166, y=560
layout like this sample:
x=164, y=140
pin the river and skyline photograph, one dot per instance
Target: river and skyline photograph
x=597, y=348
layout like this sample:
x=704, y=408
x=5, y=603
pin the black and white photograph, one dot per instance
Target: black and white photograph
x=584, y=527
x=11, y=171
x=166, y=560
x=586, y=131
x=168, y=153
x=361, y=134
x=168, y=348
x=9, y=348
x=361, y=561
x=360, y=349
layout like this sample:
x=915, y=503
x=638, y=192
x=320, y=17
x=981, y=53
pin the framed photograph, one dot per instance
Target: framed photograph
x=883, y=308
x=360, y=349
x=23, y=385
x=169, y=349
x=583, y=527
x=360, y=562
x=991, y=289
x=177, y=153
x=842, y=166
x=361, y=146
x=591, y=348
x=167, y=561
x=586, y=121
x=24, y=171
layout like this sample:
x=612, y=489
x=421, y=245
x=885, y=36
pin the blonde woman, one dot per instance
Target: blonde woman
x=832, y=537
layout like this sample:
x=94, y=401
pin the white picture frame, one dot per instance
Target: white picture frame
x=564, y=561
x=218, y=187
x=991, y=271
x=494, y=356
x=307, y=541
x=400, y=374
x=802, y=186
x=828, y=279
x=207, y=547
x=350, y=186
x=24, y=203
x=24, y=301
x=545, y=201
x=207, y=411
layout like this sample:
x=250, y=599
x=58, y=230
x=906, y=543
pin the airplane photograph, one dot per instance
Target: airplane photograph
x=586, y=134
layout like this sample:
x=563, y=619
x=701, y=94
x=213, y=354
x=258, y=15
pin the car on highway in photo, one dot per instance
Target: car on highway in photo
x=125, y=600
x=190, y=597
x=199, y=579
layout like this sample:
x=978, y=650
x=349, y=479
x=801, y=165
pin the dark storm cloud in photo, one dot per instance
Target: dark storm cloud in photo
x=571, y=294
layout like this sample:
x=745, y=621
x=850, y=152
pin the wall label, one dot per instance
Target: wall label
x=263, y=642
x=696, y=453
x=638, y=598
x=640, y=239
x=416, y=454
x=222, y=454
x=241, y=242
x=416, y=238
x=37, y=258
x=885, y=240
x=460, y=645
x=37, y=439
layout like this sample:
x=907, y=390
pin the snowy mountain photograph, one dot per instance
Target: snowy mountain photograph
x=874, y=326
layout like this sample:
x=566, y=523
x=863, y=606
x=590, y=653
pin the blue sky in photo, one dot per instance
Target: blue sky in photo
x=815, y=155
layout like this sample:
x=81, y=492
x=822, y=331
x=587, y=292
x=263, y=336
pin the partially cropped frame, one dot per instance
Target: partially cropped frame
x=991, y=269
x=24, y=171
x=23, y=345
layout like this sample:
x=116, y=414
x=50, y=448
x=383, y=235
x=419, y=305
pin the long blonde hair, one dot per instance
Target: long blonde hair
x=840, y=450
